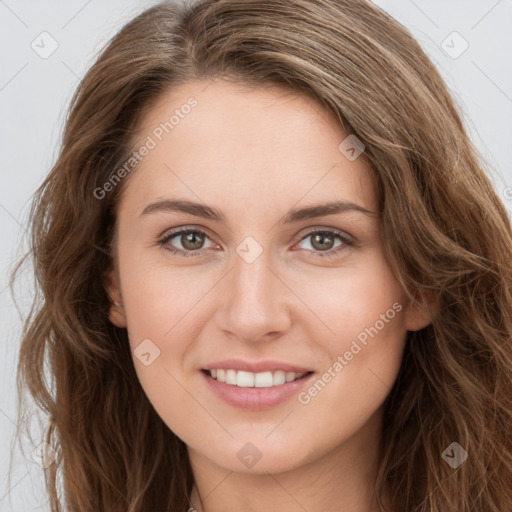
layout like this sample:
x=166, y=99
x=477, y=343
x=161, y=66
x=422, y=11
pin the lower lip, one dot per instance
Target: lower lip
x=256, y=399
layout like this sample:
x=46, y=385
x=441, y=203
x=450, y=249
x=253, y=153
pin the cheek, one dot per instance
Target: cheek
x=163, y=317
x=161, y=299
x=364, y=357
x=350, y=300
x=166, y=310
x=362, y=311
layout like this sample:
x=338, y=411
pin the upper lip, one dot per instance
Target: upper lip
x=255, y=366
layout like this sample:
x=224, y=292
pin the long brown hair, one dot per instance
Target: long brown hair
x=445, y=232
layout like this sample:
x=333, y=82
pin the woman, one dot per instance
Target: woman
x=275, y=275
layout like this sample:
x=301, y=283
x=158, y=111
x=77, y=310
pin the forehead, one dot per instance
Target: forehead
x=225, y=141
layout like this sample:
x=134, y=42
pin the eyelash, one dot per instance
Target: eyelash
x=331, y=253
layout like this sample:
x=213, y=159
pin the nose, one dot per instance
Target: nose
x=254, y=303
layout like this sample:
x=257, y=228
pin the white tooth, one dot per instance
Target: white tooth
x=263, y=380
x=290, y=376
x=231, y=377
x=249, y=379
x=245, y=379
x=279, y=378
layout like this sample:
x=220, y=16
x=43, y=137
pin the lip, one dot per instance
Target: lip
x=256, y=366
x=255, y=399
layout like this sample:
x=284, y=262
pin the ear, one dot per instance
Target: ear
x=116, y=312
x=419, y=312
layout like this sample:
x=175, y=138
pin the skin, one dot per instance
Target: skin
x=254, y=154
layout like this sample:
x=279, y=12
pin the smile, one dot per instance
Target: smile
x=246, y=379
x=255, y=391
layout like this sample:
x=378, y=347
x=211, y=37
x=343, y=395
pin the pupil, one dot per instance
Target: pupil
x=189, y=240
x=322, y=243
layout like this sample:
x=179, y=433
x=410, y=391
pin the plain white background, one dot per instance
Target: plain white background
x=35, y=92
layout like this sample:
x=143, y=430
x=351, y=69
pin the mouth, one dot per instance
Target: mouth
x=255, y=391
x=246, y=379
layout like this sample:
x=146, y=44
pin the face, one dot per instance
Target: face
x=239, y=282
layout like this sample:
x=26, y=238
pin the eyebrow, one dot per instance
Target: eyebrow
x=297, y=215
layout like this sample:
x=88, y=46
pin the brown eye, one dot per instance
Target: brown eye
x=186, y=241
x=192, y=240
x=323, y=242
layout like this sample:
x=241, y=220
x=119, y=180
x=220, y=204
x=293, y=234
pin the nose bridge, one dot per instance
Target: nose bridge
x=252, y=283
x=253, y=301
